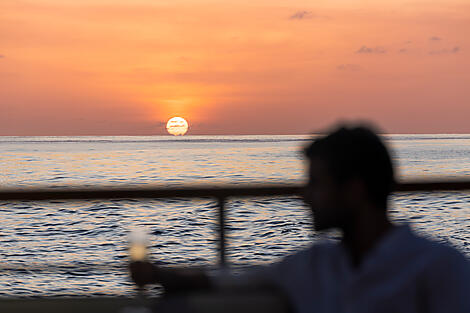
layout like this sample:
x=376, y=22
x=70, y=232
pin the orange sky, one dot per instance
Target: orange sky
x=115, y=67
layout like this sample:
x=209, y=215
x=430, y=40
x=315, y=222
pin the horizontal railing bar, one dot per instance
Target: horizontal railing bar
x=216, y=191
x=433, y=186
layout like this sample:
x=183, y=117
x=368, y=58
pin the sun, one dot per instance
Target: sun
x=177, y=126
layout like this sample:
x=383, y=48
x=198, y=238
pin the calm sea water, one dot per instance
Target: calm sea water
x=80, y=247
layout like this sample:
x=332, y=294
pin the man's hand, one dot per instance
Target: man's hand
x=143, y=273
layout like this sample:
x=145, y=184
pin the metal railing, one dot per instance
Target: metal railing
x=221, y=193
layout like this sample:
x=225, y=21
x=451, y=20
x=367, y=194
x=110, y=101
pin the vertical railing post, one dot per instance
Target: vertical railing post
x=221, y=229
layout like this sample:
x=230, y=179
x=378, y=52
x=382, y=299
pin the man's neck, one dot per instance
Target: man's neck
x=364, y=233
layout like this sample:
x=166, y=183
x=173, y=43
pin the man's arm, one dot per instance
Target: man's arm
x=186, y=279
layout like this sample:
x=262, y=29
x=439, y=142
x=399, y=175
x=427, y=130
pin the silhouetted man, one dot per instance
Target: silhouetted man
x=376, y=267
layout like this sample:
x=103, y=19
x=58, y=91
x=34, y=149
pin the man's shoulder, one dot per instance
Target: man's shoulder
x=303, y=263
x=444, y=252
x=437, y=252
x=445, y=269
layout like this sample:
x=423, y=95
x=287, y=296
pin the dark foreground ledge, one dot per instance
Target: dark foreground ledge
x=253, y=302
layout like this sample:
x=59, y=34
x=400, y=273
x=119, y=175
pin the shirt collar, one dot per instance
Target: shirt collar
x=392, y=242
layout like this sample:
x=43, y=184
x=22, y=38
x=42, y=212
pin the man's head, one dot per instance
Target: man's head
x=349, y=170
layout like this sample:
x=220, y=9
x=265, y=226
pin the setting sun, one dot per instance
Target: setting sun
x=177, y=126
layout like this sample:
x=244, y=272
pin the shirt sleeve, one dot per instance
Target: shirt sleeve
x=251, y=278
x=276, y=275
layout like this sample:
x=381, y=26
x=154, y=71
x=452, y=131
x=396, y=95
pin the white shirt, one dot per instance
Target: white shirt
x=403, y=273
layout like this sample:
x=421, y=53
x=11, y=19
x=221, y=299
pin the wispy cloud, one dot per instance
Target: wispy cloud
x=403, y=50
x=1, y=56
x=435, y=38
x=453, y=50
x=348, y=67
x=301, y=15
x=370, y=50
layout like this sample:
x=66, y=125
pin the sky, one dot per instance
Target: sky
x=115, y=67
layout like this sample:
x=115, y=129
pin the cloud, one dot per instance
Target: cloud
x=348, y=67
x=1, y=56
x=403, y=50
x=301, y=15
x=434, y=38
x=454, y=50
x=369, y=50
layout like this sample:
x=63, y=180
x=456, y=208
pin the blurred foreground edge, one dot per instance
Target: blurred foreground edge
x=245, y=302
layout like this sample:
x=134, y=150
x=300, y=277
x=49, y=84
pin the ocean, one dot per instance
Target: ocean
x=79, y=248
